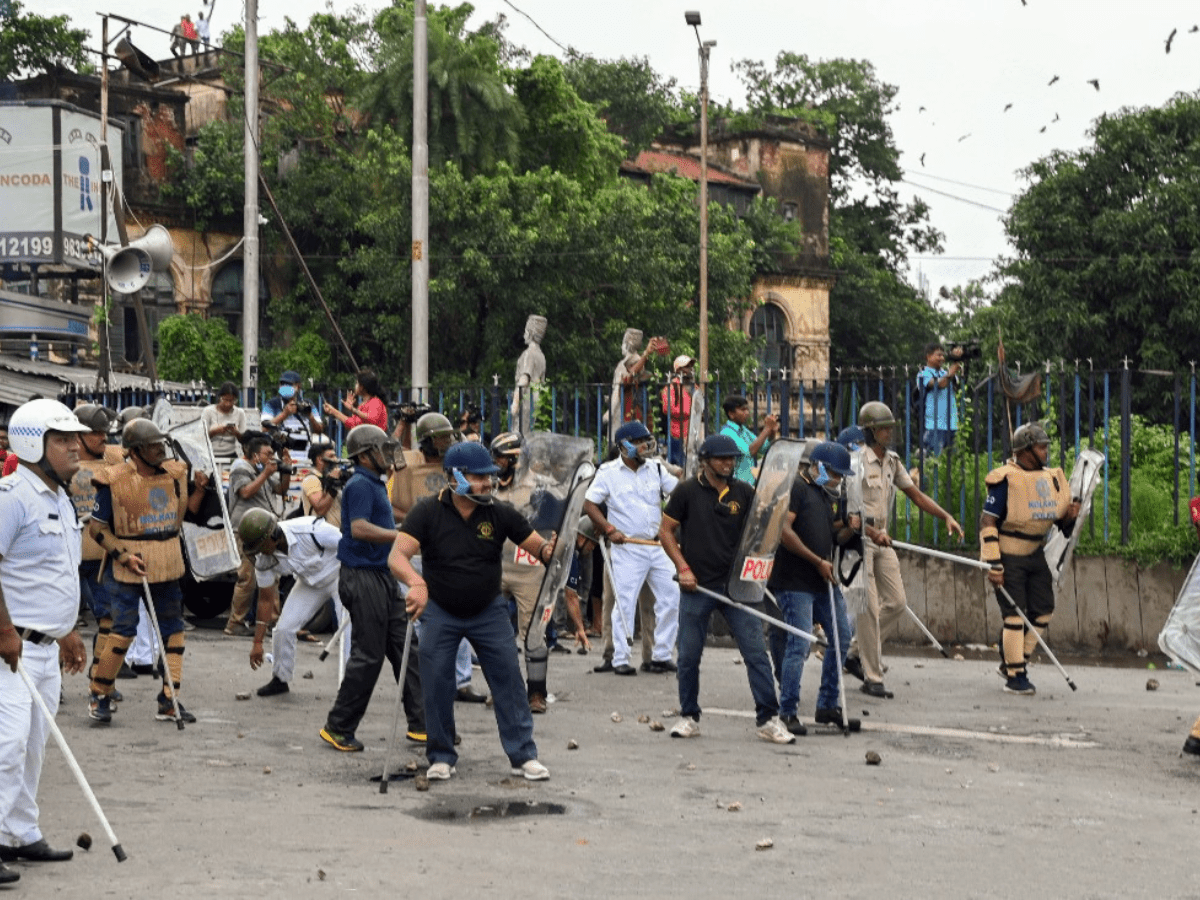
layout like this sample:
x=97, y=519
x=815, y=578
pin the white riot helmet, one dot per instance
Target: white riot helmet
x=31, y=422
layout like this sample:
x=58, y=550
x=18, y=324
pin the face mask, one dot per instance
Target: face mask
x=822, y=478
x=287, y=391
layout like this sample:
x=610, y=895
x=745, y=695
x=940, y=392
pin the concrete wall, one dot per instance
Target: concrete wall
x=1104, y=604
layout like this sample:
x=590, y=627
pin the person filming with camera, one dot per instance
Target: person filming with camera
x=293, y=417
x=321, y=486
x=936, y=384
x=254, y=481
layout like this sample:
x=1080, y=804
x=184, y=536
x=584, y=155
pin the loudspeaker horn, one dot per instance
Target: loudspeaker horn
x=129, y=267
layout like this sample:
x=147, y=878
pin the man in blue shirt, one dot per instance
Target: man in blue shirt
x=936, y=385
x=737, y=412
x=369, y=593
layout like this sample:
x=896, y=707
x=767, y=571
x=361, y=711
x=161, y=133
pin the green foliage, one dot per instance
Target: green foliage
x=635, y=102
x=561, y=131
x=1107, y=244
x=308, y=354
x=212, y=188
x=192, y=348
x=30, y=43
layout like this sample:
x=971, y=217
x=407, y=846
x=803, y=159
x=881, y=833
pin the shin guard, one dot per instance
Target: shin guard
x=103, y=630
x=1013, y=646
x=174, y=650
x=109, y=663
x=1040, y=624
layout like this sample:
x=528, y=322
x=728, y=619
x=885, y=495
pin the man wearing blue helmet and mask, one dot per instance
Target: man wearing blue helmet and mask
x=633, y=487
x=700, y=531
x=801, y=579
x=460, y=535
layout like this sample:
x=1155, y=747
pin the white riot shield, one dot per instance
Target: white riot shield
x=162, y=414
x=1180, y=636
x=1084, y=478
x=763, y=526
x=695, y=435
x=211, y=548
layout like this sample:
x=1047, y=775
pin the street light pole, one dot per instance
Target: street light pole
x=693, y=19
x=420, y=206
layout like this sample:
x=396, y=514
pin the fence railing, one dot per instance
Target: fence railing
x=1093, y=409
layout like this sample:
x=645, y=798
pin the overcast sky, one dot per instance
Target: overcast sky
x=964, y=61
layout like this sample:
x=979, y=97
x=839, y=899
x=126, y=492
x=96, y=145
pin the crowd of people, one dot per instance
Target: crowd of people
x=423, y=544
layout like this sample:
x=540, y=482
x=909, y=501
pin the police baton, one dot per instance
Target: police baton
x=118, y=851
x=758, y=614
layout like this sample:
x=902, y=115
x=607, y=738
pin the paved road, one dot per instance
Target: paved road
x=979, y=793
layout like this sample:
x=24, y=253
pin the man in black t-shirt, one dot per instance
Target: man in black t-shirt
x=801, y=581
x=460, y=535
x=709, y=511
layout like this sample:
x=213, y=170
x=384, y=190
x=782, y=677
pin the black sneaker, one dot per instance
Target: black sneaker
x=663, y=666
x=794, y=725
x=876, y=689
x=100, y=708
x=1192, y=746
x=832, y=715
x=273, y=687
x=1020, y=684
x=853, y=666
x=605, y=666
x=166, y=710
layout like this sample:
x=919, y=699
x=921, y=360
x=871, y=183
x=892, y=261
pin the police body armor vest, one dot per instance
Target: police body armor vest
x=521, y=573
x=83, y=494
x=418, y=479
x=1036, y=500
x=148, y=517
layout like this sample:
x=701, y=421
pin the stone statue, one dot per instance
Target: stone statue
x=624, y=404
x=531, y=372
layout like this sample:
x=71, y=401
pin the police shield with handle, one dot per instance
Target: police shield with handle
x=210, y=545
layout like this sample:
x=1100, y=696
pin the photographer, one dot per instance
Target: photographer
x=320, y=488
x=292, y=416
x=364, y=404
x=225, y=422
x=254, y=481
x=936, y=385
x=406, y=414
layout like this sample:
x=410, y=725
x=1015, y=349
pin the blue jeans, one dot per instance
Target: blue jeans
x=800, y=610
x=695, y=611
x=125, y=604
x=491, y=635
x=675, y=454
x=935, y=440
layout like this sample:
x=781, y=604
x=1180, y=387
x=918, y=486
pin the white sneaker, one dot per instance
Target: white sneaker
x=686, y=727
x=532, y=770
x=440, y=772
x=775, y=732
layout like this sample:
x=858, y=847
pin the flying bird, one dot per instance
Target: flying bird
x=921, y=109
x=1194, y=29
x=1052, y=80
x=922, y=160
x=1094, y=82
x=1042, y=130
x=964, y=137
x=1055, y=119
x=1171, y=37
x=1007, y=107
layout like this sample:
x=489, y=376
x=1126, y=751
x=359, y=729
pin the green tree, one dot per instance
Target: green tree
x=875, y=316
x=30, y=43
x=212, y=187
x=192, y=348
x=474, y=120
x=1107, y=244
x=635, y=101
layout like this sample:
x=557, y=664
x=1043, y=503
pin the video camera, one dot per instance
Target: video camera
x=336, y=476
x=279, y=446
x=409, y=411
x=962, y=351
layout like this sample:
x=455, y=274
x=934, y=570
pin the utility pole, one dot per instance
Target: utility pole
x=420, y=205
x=693, y=19
x=104, y=370
x=250, y=214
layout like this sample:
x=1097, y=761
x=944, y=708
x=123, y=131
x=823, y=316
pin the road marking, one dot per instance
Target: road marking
x=1052, y=740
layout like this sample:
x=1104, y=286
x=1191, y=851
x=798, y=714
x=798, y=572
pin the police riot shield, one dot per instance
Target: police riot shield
x=1180, y=635
x=162, y=414
x=763, y=526
x=1084, y=478
x=211, y=547
x=850, y=556
x=559, y=568
x=546, y=475
x=695, y=434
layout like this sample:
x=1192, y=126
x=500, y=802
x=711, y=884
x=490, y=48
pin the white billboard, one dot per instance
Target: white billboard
x=50, y=183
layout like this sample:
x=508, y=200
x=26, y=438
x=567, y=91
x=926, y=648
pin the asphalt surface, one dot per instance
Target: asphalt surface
x=978, y=793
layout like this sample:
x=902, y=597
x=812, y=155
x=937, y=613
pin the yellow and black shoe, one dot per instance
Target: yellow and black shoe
x=417, y=737
x=347, y=743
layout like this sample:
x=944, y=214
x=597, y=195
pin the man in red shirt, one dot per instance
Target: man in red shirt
x=677, y=407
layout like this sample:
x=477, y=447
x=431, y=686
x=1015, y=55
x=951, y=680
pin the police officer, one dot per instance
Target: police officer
x=460, y=535
x=883, y=472
x=1025, y=500
x=421, y=474
x=137, y=521
x=39, y=603
x=305, y=547
x=368, y=591
x=95, y=453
